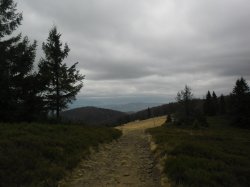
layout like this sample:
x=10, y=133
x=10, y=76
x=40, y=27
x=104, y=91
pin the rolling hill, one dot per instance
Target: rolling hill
x=92, y=116
x=131, y=107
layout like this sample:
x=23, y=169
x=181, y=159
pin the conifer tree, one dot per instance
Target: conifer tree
x=208, y=104
x=17, y=56
x=8, y=23
x=240, y=102
x=184, y=97
x=10, y=20
x=222, y=105
x=62, y=83
x=214, y=104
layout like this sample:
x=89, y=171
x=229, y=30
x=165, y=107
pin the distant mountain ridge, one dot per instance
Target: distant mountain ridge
x=131, y=107
x=93, y=116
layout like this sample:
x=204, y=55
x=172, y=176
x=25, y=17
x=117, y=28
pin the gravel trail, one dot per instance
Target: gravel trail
x=125, y=162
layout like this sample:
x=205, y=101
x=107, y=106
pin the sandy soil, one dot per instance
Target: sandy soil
x=126, y=162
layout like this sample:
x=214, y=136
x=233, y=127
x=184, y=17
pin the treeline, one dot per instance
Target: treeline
x=190, y=111
x=149, y=113
x=235, y=106
x=25, y=94
x=214, y=105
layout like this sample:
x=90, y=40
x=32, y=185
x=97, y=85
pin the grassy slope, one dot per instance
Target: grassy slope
x=40, y=155
x=218, y=156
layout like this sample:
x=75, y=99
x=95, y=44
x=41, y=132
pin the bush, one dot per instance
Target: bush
x=169, y=119
x=40, y=155
x=218, y=156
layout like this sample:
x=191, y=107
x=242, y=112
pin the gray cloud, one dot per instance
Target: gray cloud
x=144, y=48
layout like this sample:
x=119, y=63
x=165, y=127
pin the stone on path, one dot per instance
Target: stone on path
x=125, y=162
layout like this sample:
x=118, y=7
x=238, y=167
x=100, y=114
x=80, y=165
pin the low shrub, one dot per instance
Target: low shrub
x=214, y=156
x=40, y=155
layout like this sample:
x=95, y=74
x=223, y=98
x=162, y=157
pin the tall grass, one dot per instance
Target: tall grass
x=218, y=156
x=40, y=155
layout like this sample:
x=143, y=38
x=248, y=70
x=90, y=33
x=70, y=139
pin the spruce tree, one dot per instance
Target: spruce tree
x=9, y=21
x=62, y=83
x=16, y=57
x=240, y=102
x=185, y=97
x=214, y=104
x=23, y=81
x=208, y=104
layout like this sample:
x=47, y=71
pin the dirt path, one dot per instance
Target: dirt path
x=126, y=162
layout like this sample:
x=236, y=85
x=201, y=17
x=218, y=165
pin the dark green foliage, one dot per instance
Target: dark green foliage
x=169, y=119
x=61, y=83
x=10, y=20
x=241, y=87
x=8, y=23
x=199, y=120
x=207, y=107
x=240, y=103
x=222, y=105
x=184, y=98
x=24, y=94
x=18, y=95
x=211, y=106
x=218, y=156
x=18, y=83
x=215, y=103
x=188, y=112
x=162, y=110
x=40, y=155
x=93, y=116
x=184, y=112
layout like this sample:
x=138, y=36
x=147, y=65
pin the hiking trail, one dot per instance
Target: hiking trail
x=125, y=162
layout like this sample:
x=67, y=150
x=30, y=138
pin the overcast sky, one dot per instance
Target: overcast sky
x=147, y=50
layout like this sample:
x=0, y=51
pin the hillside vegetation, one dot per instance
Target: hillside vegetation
x=40, y=155
x=92, y=116
x=217, y=156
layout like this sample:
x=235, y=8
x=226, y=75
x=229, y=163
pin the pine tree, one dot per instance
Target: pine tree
x=10, y=20
x=184, y=97
x=240, y=102
x=214, y=104
x=23, y=80
x=241, y=88
x=185, y=109
x=62, y=83
x=8, y=23
x=210, y=106
x=207, y=107
x=16, y=57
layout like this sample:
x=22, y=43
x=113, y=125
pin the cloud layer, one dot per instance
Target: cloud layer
x=148, y=49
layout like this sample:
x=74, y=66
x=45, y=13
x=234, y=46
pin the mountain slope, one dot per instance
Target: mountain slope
x=131, y=107
x=93, y=116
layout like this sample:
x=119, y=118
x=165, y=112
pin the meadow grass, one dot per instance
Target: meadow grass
x=216, y=156
x=41, y=155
